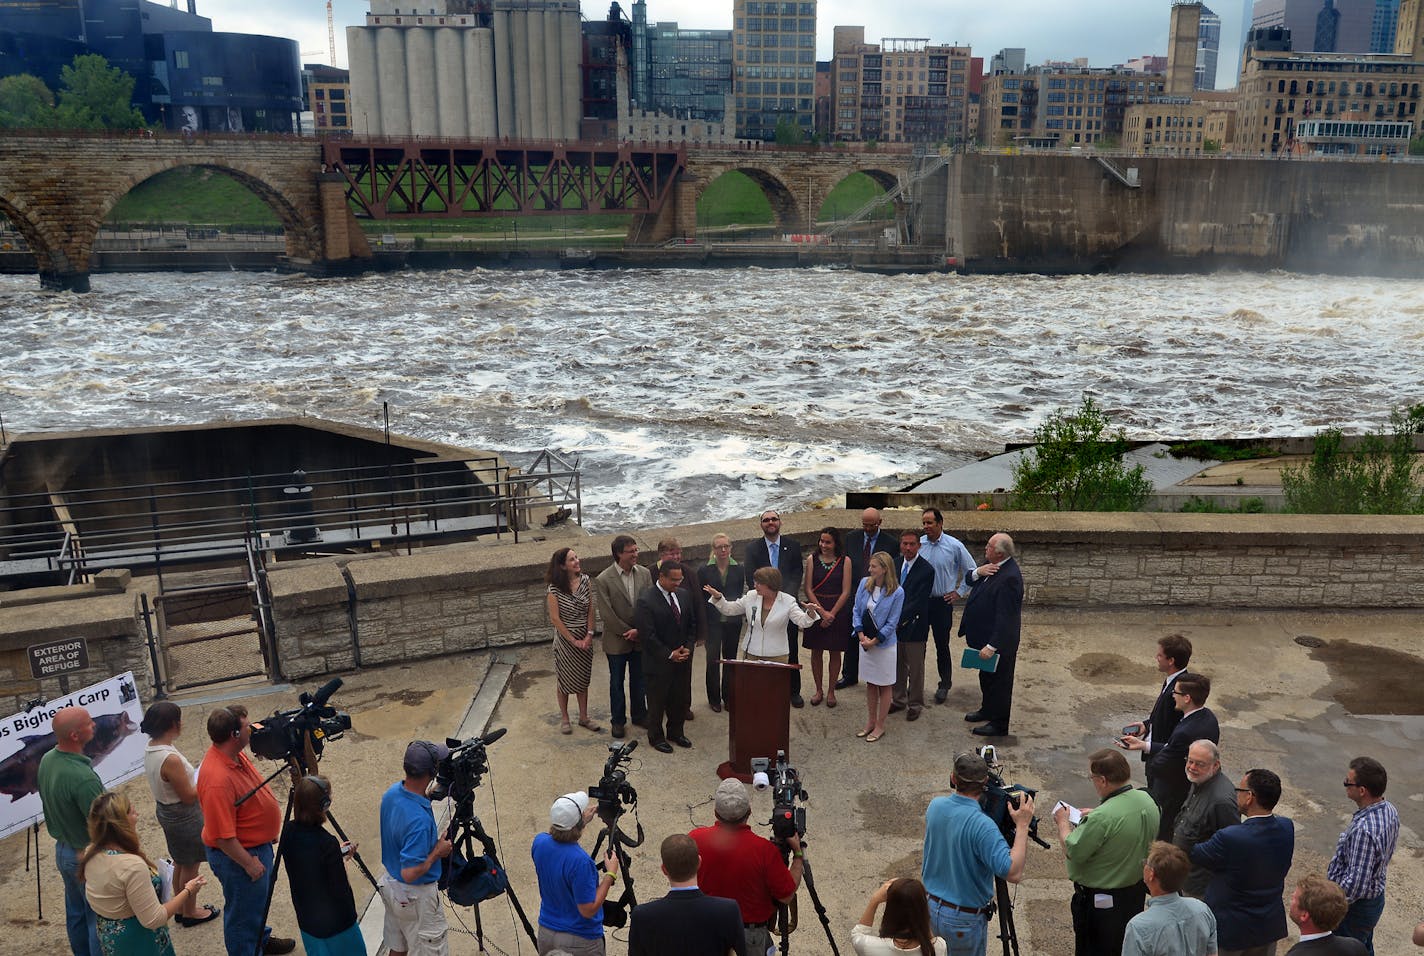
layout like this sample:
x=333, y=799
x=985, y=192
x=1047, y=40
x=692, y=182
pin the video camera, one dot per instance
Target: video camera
x=998, y=797
x=787, y=816
x=613, y=792
x=286, y=734
x=461, y=772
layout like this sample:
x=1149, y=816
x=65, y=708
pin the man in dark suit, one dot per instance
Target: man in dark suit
x=667, y=630
x=859, y=546
x=917, y=579
x=670, y=550
x=784, y=554
x=1167, y=767
x=1249, y=863
x=686, y=922
x=1174, y=653
x=1317, y=906
x=990, y=624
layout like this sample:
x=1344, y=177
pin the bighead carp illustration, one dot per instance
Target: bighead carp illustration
x=19, y=772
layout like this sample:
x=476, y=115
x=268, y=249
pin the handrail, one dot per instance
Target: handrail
x=164, y=521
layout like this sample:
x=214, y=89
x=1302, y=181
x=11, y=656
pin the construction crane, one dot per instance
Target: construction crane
x=331, y=33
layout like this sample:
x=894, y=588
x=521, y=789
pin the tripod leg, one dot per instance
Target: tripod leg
x=354, y=854
x=272, y=880
x=810, y=881
x=1008, y=935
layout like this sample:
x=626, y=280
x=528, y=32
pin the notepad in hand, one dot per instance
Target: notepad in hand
x=972, y=659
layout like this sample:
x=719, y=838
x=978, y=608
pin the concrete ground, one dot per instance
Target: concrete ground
x=1298, y=693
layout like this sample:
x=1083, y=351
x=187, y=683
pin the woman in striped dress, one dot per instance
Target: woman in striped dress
x=570, y=602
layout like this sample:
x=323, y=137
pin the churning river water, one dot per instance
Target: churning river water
x=693, y=395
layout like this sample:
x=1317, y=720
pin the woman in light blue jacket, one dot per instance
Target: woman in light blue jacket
x=873, y=621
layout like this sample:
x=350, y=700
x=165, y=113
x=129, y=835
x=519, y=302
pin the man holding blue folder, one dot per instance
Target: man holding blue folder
x=990, y=625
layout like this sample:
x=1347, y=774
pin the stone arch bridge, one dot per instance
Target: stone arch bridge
x=57, y=189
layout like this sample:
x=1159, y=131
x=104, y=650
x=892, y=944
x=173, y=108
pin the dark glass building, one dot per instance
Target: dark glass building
x=185, y=75
x=690, y=72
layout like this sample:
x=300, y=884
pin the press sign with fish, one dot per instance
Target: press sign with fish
x=116, y=750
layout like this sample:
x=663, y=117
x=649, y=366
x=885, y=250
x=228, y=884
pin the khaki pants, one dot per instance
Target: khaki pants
x=909, y=675
x=415, y=919
x=551, y=942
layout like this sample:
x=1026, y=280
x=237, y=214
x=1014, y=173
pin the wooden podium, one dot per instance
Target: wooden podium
x=760, y=714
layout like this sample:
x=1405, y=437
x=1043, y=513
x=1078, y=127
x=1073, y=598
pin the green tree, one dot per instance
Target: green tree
x=1211, y=146
x=95, y=95
x=1076, y=464
x=1375, y=478
x=25, y=103
x=1416, y=145
x=788, y=133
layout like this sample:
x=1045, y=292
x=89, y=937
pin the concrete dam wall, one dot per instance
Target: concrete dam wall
x=1056, y=213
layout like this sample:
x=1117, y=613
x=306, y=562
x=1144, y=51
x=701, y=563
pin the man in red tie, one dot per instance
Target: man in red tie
x=667, y=629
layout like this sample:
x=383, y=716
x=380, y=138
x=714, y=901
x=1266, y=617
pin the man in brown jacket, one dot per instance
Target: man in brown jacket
x=616, y=590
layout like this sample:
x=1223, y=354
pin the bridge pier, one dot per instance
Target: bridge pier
x=64, y=281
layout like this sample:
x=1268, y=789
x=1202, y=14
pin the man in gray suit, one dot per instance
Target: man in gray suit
x=616, y=590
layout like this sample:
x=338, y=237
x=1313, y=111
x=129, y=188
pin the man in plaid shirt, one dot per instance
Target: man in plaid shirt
x=1363, y=853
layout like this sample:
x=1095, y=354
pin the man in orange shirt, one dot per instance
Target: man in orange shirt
x=239, y=838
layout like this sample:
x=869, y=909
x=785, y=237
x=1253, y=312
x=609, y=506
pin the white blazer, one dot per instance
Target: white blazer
x=766, y=637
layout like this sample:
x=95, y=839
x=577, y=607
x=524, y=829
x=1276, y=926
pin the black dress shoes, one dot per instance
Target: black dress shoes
x=895, y=708
x=662, y=747
x=797, y=701
x=618, y=731
x=941, y=694
x=975, y=715
x=991, y=730
x=716, y=708
x=842, y=683
x=914, y=714
x=681, y=741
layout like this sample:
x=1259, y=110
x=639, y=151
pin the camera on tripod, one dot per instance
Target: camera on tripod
x=463, y=768
x=788, y=817
x=998, y=797
x=287, y=733
x=615, y=795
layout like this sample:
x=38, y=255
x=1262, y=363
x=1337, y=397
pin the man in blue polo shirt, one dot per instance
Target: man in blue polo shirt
x=411, y=853
x=964, y=851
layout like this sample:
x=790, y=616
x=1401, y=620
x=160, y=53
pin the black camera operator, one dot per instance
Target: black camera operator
x=965, y=851
x=739, y=865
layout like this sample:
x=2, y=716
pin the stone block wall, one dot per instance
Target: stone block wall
x=110, y=625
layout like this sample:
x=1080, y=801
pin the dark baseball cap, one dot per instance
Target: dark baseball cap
x=971, y=768
x=423, y=756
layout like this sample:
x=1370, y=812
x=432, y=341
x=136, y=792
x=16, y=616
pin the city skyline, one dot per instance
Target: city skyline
x=1105, y=31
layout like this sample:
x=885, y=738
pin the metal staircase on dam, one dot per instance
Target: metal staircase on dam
x=901, y=190
x=1128, y=179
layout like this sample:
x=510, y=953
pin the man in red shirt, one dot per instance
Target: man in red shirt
x=739, y=865
x=239, y=838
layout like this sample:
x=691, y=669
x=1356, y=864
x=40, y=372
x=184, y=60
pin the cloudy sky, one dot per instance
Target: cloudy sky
x=1105, y=31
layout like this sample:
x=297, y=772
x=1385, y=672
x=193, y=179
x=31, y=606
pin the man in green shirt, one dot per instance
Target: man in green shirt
x=1105, y=853
x=68, y=785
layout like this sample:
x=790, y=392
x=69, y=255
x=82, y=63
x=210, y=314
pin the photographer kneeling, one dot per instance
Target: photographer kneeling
x=412, y=851
x=739, y=865
x=571, y=891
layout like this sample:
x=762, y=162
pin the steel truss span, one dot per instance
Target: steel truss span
x=454, y=181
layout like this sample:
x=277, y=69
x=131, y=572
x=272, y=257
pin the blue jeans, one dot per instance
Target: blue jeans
x=79, y=920
x=244, y=900
x=1360, y=919
x=965, y=934
x=631, y=664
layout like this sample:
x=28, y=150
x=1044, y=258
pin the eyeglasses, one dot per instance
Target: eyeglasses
x=1350, y=784
x=1180, y=693
x=1242, y=790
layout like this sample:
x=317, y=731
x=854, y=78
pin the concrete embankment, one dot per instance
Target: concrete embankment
x=1057, y=213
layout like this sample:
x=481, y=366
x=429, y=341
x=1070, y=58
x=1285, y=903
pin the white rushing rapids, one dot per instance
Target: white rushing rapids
x=694, y=395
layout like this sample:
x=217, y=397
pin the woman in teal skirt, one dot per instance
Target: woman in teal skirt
x=121, y=883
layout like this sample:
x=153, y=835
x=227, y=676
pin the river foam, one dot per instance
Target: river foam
x=691, y=395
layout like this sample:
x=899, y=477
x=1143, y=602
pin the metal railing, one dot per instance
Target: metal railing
x=322, y=511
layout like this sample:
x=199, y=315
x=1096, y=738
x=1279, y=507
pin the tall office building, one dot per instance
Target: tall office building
x=1352, y=34
x=1327, y=28
x=1409, y=30
x=1008, y=60
x=1208, y=48
x=689, y=72
x=774, y=66
x=1382, y=27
